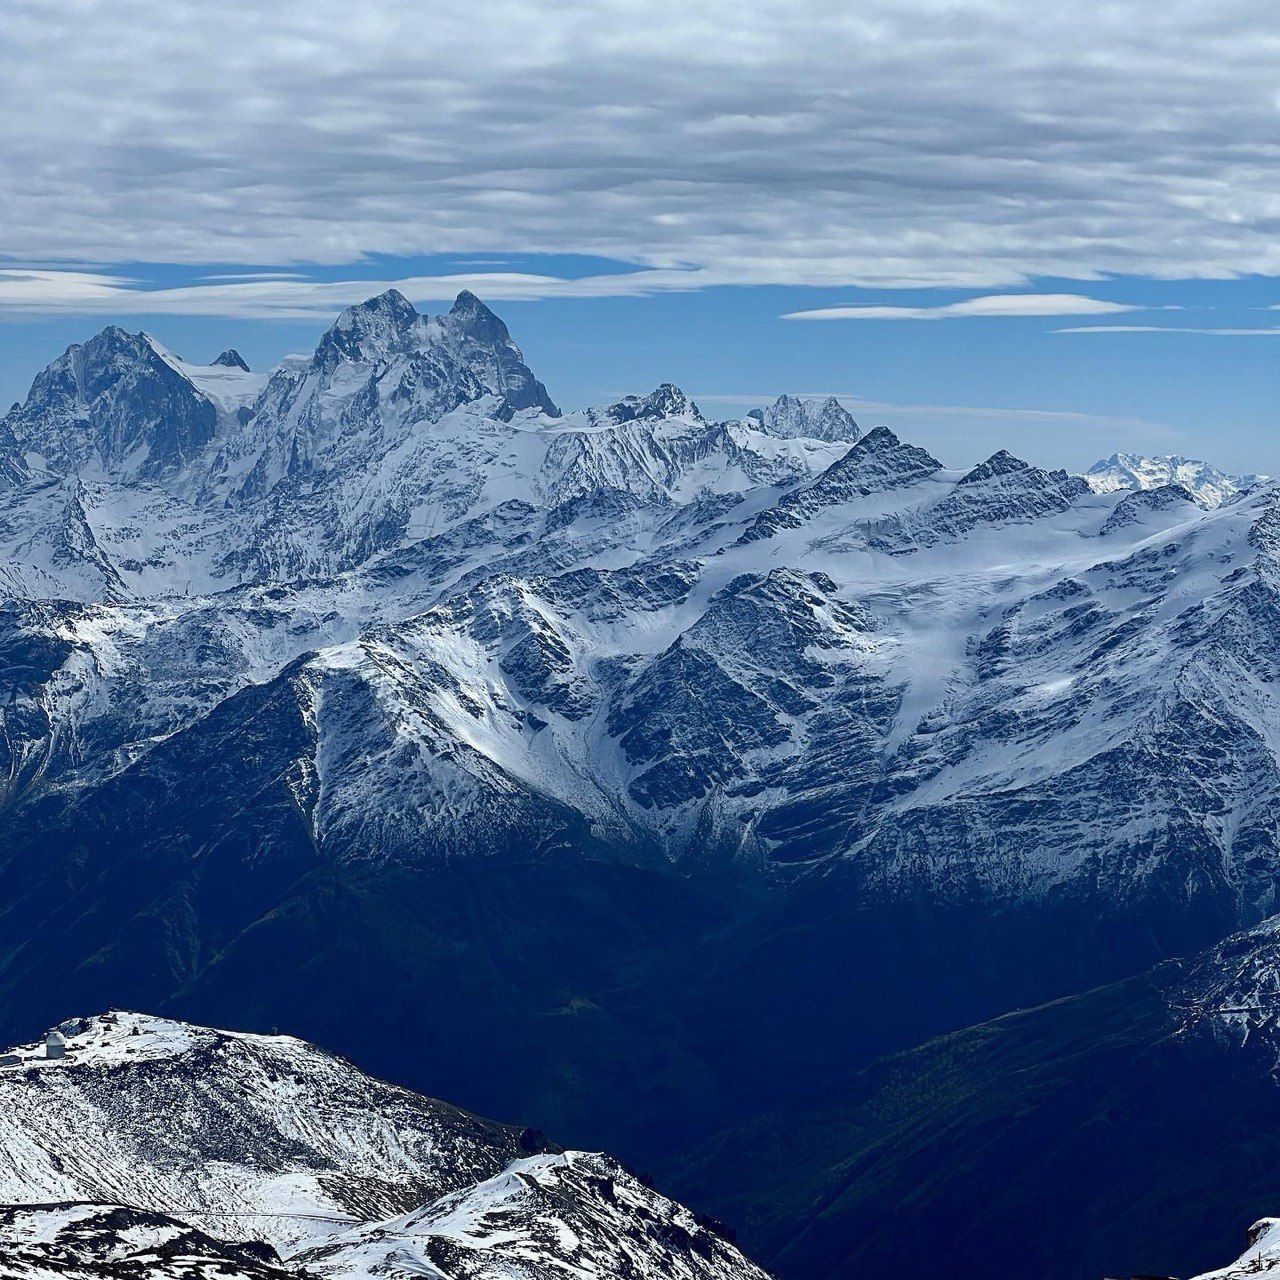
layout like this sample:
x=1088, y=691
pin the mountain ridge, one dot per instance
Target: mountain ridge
x=1129, y=1123
x=1206, y=483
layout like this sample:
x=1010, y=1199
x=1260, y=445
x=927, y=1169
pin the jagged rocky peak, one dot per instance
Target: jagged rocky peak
x=881, y=447
x=665, y=401
x=486, y=345
x=232, y=359
x=473, y=317
x=469, y=348
x=1011, y=476
x=1143, y=503
x=113, y=405
x=877, y=440
x=371, y=331
x=84, y=368
x=878, y=461
x=815, y=419
x=1001, y=463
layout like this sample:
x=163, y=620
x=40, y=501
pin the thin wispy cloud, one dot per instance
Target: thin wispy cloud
x=1221, y=332
x=254, y=275
x=291, y=295
x=266, y=296
x=994, y=306
x=978, y=144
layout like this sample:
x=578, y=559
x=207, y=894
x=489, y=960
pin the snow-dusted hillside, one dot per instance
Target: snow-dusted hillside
x=1207, y=484
x=152, y=1146
x=575, y=1213
x=1260, y=1261
x=262, y=1136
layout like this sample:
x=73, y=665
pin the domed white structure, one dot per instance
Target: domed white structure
x=55, y=1044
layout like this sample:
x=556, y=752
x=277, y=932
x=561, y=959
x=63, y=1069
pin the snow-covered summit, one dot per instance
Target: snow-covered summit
x=227, y=1125
x=665, y=401
x=1208, y=484
x=371, y=331
x=112, y=406
x=790, y=416
x=467, y=352
x=119, y=1036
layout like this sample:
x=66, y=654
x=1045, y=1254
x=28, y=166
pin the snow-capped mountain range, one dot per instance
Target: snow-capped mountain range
x=333, y=694
x=1205, y=483
x=884, y=651
x=149, y=1148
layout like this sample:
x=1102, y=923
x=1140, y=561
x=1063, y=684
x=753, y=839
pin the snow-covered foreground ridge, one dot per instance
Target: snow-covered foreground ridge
x=1260, y=1261
x=154, y=1139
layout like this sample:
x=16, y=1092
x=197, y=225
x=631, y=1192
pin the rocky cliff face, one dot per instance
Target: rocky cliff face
x=113, y=406
x=791, y=417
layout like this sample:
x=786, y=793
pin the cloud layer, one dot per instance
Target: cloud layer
x=1002, y=305
x=1219, y=332
x=966, y=143
x=283, y=296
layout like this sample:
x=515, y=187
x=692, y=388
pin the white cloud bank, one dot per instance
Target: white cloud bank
x=993, y=305
x=263, y=296
x=889, y=143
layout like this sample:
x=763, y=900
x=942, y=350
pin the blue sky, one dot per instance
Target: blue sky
x=645, y=189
